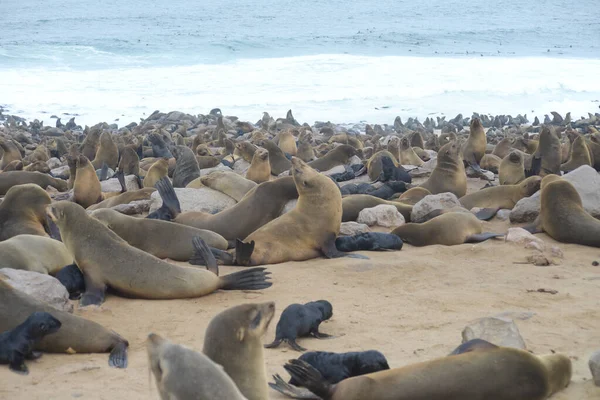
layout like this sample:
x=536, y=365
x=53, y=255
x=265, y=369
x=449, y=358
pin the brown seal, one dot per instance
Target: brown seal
x=182, y=373
x=448, y=229
x=87, y=190
x=503, y=196
x=157, y=171
x=413, y=195
x=129, y=163
x=305, y=151
x=579, y=155
x=375, y=166
x=34, y=253
x=338, y=156
x=187, y=168
x=287, y=143
x=11, y=153
x=91, y=141
x=547, y=158
x=490, y=162
x=353, y=204
x=279, y=163
x=76, y=335
x=160, y=238
x=15, y=178
x=474, y=148
x=449, y=173
x=15, y=165
x=499, y=372
x=23, y=211
x=233, y=339
x=246, y=150
x=408, y=155
x=106, y=260
x=260, y=169
x=229, y=183
x=502, y=148
x=38, y=166
x=108, y=152
x=512, y=168
x=123, y=198
x=594, y=146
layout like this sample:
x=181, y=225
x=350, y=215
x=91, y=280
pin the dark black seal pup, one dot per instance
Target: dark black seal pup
x=299, y=320
x=369, y=241
x=389, y=172
x=71, y=278
x=357, y=188
x=17, y=344
x=388, y=189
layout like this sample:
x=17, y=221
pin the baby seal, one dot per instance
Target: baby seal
x=17, y=344
x=369, y=241
x=301, y=320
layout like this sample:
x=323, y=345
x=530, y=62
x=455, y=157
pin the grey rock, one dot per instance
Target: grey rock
x=110, y=172
x=503, y=214
x=522, y=315
x=220, y=167
x=289, y=206
x=112, y=184
x=203, y=199
x=500, y=331
x=54, y=163
x=352, y=228
x=594, y=365
x=43, y=287
x=433, y=202
x=587, y=182
x=382, y=215
x=61, y=171
x=338, y=169
x=241, y=166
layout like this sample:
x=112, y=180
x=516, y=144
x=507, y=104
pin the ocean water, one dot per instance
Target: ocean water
x=343, y=61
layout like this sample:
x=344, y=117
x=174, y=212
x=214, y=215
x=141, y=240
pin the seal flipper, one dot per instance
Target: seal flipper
x=321, y=335
x=139, y=181
x=310, y=378
x=16, y=363
x=292, y=391
x=485, y=214
x=203, y=256
x=275, y=344
x=170, y=207
x=330, y=251
x=473, y=345
x=536, y=167
x=118, y=355
x=482, y=237
x=103, y=172
x=294, y=345
x=243, y=252
x=94, y=293
x=72, y=279
x=534, y=227
x=121, y=177
x=249, y=279
x=52, y=229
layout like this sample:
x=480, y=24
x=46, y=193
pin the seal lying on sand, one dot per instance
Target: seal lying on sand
x=107, y=260
x=17, y=344
x=369, y=241
x=182, y=373
x=300, y=320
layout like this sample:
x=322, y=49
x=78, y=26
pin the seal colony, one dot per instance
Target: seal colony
x=111, y=210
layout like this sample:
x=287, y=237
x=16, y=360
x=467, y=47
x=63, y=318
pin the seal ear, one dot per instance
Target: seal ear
x=241, y=333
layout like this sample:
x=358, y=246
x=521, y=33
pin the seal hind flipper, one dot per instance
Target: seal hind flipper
x=291, y=391
x=72, y=279
x=94, y=293
x=222, y=257
x=249, y=279
x=485, y=214
x=309, y=377
x=170, y=207
x=321, y=335
x=203, y=256
x=294, y=345
x=121, y=177
x=139, y=181
x=273, y=345
x=16, y=363
x=473, y=345
x=243, y=252
x=533, y=228
x=118, y=355
x=482, y=237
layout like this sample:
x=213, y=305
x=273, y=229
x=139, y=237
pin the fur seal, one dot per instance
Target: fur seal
x=512, y=168
x=246, y=150
x=578, y=156
x=14, y=178
x=87, y=190
x=392, y=172
x=474, y=148
x=490, y=162
x=277, y=159
x=301, y=320
x=370, y=241
x=375, y=164
x=502, y=148
x=129, y=164
x=160, y=238
x=157, y=171
x=23, y=212
x=108, y=152
x=413, y=195
x=233, y=340
x=449, y=173
x=260, y=169
x=407, y=154
x=547, y=158
x=123, y=198
x=38, y=166
x=182, y=373
x=501, y=373
x=187, y=168
x=91, y=142
x=76, y=334
x=503, y=196
x=17, y=344
x=562, y=215
x=10, y=153
x=287, y=143
x=107, y=260
x=15, y=165
x=34, y=253
x=229, y=183
x=352, y=205
x=338, y=156
x=447, y=229
x=305, y=150
x=159, y=147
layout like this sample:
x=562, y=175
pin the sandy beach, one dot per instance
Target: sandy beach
x=411, y=305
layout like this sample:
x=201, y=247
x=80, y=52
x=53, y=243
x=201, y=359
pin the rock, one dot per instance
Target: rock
x=60, y=171
x=338, y=169
x=352, y=228
x=587, y=182
x=500, y=331
x=133, y=208
x=54, y=163
x=522, y=237
x=556, y=252
x=220, y=167
x=503, y=214
x=110, y=172
x=433, y=202
x=382, y=215
x=535, y=245
x=522, y=315
x=594, y=365
x=354, y=160
x=113, y=185
x=241, y=166
x=203, y=199
x=43, y=287
x=289, y=206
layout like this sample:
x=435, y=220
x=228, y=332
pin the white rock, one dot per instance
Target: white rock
x=241, y=166
x=43, y=287
x=497, y=330
x=338, y=169
x=433, y=202
x=594, y=365
x=522, y=237
x=354, y=160
x=587, y=182
x=203, y=199
x=352, y=228
x=113, y=185
x=53, y=163
x=289, y=206
x=383, y=215
x=220, y=167
x=61, y=171
x=503, y=214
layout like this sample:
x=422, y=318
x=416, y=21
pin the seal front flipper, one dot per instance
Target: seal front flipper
x=321, y=335
x=482, y=237
x=330, y=250
x=204, y=256
x=34, y=355
x=170, y=207
x=485, y=214
x=51, y=229
x=536, y=167
x=94, y=293
x=295, y=346
x=310, y=378
x=16, y=363
x=118, y=355
x=121, y=178
x=473, y=345
x=249, y=279
x=103, y=172
x=274, y=345
x=291, y=391
x=243, y=252
x=72, y=279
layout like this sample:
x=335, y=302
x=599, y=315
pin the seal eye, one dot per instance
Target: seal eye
x=305, y=183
